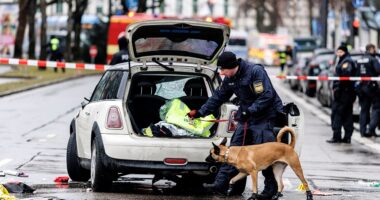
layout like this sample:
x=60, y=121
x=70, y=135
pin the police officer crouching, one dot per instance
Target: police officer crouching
x=344, y=97
x=368, y=67
x=259, y=105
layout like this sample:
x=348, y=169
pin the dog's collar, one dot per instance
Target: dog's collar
x=226, y=154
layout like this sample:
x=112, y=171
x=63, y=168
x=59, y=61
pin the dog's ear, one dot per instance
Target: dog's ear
x=224, y=141
x=216, y=149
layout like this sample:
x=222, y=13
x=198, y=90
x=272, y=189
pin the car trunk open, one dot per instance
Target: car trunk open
x=186, y=41
x=151, y=91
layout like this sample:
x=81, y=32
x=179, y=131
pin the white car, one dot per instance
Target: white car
x=171, y=59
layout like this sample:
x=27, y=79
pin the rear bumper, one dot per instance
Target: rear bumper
x=132, y=147
x=134, y=154
x=144, y=167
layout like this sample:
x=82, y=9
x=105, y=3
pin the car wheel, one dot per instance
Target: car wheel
x=101, y=180
x=75, y=171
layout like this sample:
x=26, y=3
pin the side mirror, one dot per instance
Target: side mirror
x=85, y=102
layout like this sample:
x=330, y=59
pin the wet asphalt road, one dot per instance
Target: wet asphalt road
x=34, y=134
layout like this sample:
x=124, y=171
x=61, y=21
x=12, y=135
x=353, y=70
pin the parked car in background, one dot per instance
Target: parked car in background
x=305, y=46
x=296, y=70
x=313, y=68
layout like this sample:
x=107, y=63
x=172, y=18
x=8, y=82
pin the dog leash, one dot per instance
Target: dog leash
x=227, y=120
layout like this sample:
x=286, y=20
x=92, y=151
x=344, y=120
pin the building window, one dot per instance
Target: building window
x=195, y=7
x=59, y=6
x=99, y=10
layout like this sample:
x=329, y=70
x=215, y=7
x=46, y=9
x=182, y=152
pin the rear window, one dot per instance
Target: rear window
x=170, y=86
x=179, y=39
x=195, y=46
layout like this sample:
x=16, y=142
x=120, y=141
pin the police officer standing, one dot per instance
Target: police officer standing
x=122, y=55
x=259, y=105
x=344, y=97
x=368, y=67
x=55, y=52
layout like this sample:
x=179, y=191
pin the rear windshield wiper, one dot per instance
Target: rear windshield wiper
x=162, y=65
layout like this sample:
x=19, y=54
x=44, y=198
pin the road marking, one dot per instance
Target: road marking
x=42, y=140
x=5, y=161
x=50, y=136
x=324, y=117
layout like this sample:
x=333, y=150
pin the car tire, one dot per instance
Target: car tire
x=101, y=180
x=75, y=170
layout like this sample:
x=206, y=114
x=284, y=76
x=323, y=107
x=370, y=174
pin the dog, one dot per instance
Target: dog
x=249, y=160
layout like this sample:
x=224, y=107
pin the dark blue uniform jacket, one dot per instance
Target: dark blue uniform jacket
x=254, y=89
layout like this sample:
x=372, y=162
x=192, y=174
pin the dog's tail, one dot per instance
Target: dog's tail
x=289, y=130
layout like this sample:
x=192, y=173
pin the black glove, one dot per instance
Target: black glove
x=245, y=114
x=194, y=114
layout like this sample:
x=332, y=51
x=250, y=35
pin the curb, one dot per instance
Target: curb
x=7, y=93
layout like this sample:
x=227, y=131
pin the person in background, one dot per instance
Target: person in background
x=368, y=66
x=344, y=97
x=123, y=54
x=55, y=51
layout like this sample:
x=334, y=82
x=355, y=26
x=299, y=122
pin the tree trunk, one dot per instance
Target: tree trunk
x=261, y=12
x=70, y=23
x=43, y=40
x=311, y=6
x=141, y=7
x=23, y=4
x=31, y=23
x=81, y=6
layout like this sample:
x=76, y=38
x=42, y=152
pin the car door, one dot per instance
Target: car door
x=85, y=118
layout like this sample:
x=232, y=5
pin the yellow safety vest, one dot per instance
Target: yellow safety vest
x=175, y=112
x=282, y=57
x=54, y=44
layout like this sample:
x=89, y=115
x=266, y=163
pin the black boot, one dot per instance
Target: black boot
x=346, y=140
x=213, y=188
x=309, y=195
x=230, y=190
x=276, y=196
x=332, y=140
x=254, y=197
x=265, y=196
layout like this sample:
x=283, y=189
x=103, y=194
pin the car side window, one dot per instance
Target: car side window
x=96, y=96
x=112, y=87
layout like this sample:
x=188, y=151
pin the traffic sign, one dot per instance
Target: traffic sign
x=93, y=51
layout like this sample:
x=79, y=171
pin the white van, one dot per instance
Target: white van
x=238, y=43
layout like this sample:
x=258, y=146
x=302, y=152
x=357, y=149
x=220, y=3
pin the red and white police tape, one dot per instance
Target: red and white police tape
x=329, y=78
x=53, y=64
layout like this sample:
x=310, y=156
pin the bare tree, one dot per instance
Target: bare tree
x=141, y=6
x=80, y=7
x=22, y=20
x=70, y=24
x=31, y=24
x=43, y=40
x=267, y=14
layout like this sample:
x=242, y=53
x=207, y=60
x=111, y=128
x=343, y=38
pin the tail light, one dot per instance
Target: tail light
x=114, y=118
x=175, y=161
x=232, y=124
